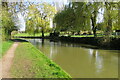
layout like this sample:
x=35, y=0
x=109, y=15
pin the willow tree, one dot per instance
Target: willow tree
x=65, y=19
x=93, y=10
x=39, y=17
x=79, y=16
x=32, y=23
x=73, y=18
x=82, y=14
x=47, y=12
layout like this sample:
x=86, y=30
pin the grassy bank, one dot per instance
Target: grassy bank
x=29, y=62
x=5, y=46
x=26, y=34
x=47, y=34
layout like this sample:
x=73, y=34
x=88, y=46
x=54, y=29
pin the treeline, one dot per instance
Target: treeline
x=84, y=16
x=75, y=17
x=9, y=18
x=6, y=21
x=37, y=17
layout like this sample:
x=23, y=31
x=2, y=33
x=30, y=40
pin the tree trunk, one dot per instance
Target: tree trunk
x=94, y=26
x=94, y=32
x=34, y=34
x=9, y=35
x=73, y=33
x=42, y=33
x=109, y=27
x=78, y=32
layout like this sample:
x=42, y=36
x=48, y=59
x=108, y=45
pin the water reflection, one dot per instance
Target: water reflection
x=80, y=62
x=98, y=61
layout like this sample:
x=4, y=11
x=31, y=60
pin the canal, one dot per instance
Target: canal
x=78, y=61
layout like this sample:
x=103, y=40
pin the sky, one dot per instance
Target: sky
x=100, y=15
x=21, y=22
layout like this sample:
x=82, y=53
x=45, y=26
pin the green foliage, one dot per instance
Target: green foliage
x=33, y=18
x=111, y=16
x=39, y=17
x=83, y=16
x=7, y=24
x=30, y=35
x=116, y=16
x=7, y=21
x=76, y=16
x=65, y=19
x=82, y=21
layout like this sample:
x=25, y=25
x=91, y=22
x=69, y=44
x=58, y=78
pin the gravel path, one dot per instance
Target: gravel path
x=6, y=61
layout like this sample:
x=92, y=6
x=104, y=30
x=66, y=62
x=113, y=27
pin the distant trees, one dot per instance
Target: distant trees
x=110, y=16
x=94, y=11
x=73, y=18
x=80, y=17
x=33, y=20
x=8, y=18
x=7, y=22
x=65, y=19
x=39, y=16
x=83, y=16
x=119, y=14
x=82, y=21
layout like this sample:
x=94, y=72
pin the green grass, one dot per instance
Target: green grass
x=5, y=46
x=98, y=35
x=29, y=62
x=82, y=36
x=26, y=34
x=47, y=34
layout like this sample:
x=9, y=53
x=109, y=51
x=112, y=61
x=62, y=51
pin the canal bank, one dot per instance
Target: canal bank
x=29, y=62
x=98, y=42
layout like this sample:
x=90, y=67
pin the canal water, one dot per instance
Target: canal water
x=78, y=61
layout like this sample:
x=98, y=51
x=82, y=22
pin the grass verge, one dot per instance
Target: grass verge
x=29, y=62
x=28, y=35
x=5, y=46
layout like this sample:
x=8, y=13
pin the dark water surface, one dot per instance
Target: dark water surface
x=80, y=62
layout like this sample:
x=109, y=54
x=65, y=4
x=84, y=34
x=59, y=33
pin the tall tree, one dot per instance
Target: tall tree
x=7, y=21
x=32, y=23
x=47, y=13
x=75, y=17
x=39, y=16
x=82, y=14
x=65, y=19
x=110, y=16
x=95, y=6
